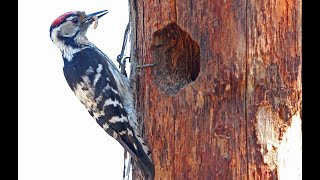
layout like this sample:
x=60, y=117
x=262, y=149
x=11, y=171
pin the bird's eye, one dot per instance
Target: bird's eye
x=75, y=20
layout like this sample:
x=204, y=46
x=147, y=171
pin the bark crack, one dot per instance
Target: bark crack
x=246, y=87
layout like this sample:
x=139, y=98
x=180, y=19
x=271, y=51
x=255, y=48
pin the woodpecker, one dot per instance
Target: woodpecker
x=98, y=84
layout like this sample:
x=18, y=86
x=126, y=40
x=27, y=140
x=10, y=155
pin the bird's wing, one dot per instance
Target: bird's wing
x=111, y=114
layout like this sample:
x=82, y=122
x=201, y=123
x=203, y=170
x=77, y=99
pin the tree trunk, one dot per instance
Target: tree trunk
x=224, y=98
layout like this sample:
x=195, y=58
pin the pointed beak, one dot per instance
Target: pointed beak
x=99, y=14
x=88, y=19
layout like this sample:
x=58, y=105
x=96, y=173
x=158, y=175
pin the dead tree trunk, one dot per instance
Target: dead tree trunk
x=224, y=99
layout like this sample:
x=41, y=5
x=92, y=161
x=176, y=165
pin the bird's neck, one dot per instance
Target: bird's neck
x=70, y=46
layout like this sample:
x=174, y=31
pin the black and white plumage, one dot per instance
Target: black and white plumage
x=99, y=85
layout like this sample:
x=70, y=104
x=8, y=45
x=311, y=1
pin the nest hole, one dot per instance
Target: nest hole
x=177, y=57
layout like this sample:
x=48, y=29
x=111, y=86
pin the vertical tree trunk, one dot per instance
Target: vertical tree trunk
x=274, y=89
x=224, y=98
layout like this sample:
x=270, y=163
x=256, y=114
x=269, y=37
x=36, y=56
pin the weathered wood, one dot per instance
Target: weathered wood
x=274, y=89
x=225, y=70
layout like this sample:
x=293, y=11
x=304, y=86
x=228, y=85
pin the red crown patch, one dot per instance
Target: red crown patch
x=61, y=18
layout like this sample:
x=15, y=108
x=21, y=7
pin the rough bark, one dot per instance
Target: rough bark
x=224, y=99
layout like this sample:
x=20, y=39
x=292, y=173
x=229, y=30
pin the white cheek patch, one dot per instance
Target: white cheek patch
x=68, y=29
x=69, y=32
x=67, y=51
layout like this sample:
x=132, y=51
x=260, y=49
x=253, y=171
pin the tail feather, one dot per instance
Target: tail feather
x=139, y=152
x=145, y=162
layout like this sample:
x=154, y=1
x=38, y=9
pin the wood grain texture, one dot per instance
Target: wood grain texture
x=274, y=83
x=225, y=63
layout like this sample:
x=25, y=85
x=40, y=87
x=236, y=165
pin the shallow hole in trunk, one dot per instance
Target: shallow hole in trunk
x=177, y=57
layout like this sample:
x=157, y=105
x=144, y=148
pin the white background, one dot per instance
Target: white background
x=58, y=139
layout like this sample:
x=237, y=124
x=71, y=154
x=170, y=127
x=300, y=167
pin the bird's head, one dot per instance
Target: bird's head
x=70, y=28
